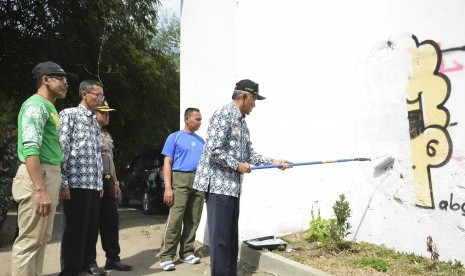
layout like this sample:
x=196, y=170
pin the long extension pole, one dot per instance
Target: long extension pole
x=310, y=163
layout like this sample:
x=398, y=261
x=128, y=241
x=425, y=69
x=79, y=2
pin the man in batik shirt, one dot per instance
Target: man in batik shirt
x=226, y=156
x=81, y=181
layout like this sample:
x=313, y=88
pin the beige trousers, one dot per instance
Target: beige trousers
x=34, y=231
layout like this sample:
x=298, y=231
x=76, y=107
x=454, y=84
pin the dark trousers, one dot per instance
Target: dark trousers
x=109, y=222
x=80, y=230
x=223, y=220
x=184, y=218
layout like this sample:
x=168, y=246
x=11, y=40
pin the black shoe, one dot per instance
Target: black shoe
x=93, y=269
x=118, y=266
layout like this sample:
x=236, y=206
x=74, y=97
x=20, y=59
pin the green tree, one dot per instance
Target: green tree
x=121, y=43
x=167, y=38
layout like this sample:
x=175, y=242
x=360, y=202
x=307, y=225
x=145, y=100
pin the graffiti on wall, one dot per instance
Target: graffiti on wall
x=427, y=92
x=452, y=205
x=451, y=68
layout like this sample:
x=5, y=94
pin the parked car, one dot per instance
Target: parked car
x=142, y=182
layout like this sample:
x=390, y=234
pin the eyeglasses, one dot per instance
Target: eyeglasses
x=60, y=78
x=99, y=96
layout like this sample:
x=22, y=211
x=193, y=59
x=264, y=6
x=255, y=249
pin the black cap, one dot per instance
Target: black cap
x=50, y=68
x=249, y=86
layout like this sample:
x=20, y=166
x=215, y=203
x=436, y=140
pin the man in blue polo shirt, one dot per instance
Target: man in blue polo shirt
x=182, y=153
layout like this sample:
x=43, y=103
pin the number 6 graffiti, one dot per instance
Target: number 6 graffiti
x=427, y=92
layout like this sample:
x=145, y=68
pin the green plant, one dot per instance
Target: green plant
x=456, y=264
x=321, y=230
x=145, y=233
x=342, y=212
x=331, y=230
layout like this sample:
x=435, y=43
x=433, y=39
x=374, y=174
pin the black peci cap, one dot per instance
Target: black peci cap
x=249, y=86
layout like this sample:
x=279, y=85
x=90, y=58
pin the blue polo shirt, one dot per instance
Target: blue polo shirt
x=185, y=149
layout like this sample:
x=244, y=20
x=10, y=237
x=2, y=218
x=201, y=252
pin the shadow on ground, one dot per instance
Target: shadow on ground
x=129, y=217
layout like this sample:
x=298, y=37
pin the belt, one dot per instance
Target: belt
x=185, y=171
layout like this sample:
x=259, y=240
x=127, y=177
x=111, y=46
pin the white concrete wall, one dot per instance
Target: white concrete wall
x=336, y=89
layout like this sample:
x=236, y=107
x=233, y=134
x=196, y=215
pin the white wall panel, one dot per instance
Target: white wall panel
x=335, y=89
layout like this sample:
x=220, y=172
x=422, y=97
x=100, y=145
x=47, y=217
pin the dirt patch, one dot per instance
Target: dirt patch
x=355, y=259
x=140, y=240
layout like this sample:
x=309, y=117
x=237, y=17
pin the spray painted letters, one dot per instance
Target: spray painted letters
x=427, y=93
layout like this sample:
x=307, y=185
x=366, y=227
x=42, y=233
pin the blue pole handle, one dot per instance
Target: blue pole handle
x=309, y=163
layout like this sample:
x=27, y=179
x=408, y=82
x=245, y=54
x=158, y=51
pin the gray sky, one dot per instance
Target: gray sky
x=171, y=6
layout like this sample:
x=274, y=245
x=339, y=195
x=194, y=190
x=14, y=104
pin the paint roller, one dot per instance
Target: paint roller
x=383, y=163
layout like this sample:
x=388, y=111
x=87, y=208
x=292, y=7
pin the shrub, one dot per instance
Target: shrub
x=342, y=212
x=8, y=167
x=331, y=230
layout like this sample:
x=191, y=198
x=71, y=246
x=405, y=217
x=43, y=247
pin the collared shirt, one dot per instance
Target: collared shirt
x=227, y=144
x=82, y=161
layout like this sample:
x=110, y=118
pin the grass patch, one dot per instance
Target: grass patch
x=351, y=258
x=145, y=233
x=378, y=264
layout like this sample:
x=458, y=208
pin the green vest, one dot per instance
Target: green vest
x=38, y=124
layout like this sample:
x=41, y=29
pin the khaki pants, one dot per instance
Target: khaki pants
x=184, y=218
x=34, y=231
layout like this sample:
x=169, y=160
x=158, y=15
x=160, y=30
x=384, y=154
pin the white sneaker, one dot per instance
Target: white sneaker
x=167, y=266
x=192, y=259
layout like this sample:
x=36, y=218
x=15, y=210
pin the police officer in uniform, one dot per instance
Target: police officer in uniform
x=109, y=220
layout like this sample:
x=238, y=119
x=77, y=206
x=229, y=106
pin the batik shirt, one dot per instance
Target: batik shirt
x=227, y=144
x=82, y=161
